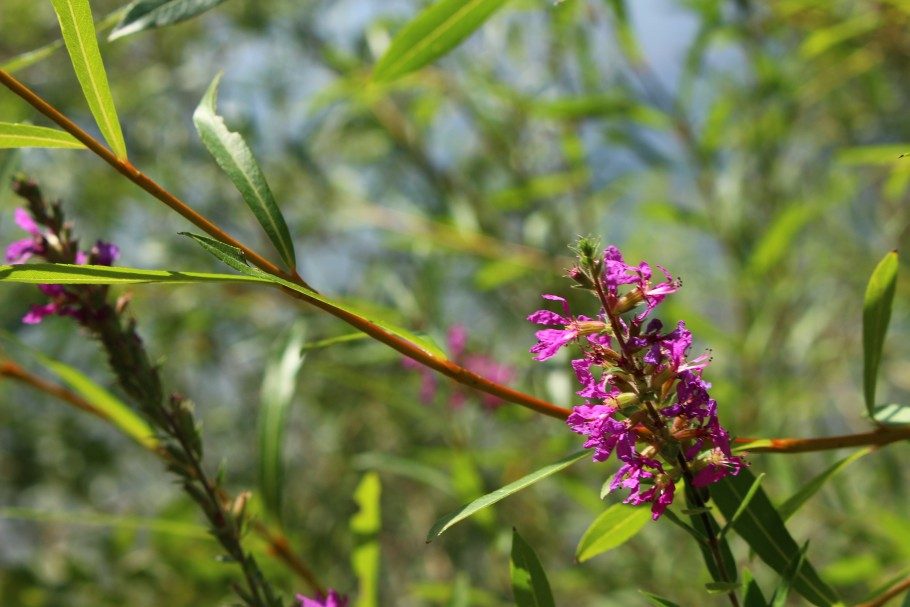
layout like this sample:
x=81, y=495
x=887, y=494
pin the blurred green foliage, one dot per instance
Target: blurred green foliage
x=752, y=148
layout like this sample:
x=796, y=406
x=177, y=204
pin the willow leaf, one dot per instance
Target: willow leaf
x=529, y=581
x=149, y=14
x=30, y=136
x=503, y=492
x=234, y=156
x=876, y=316
x=75, y=17
x=435, y=31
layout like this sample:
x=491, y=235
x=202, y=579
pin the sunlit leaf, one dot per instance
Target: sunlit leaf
x=615, y=526
x=148, y=14
x=31, y=136
x=491, y=498
x=529, y=581
x=234, y=156
x=75, y=17
x=365, y=526
x=892, y=414
x=277, y=392
x=67, y=274
x=876, y=316
x=28, y=58
x=435, y=31
x=763, y=529
x=114, y=410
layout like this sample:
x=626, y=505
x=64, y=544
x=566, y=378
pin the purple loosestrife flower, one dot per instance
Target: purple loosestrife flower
x=52, y=246
x=646, y=402
x=483, y=366
x=21, y=250
x=549, y=341
x=332, y=599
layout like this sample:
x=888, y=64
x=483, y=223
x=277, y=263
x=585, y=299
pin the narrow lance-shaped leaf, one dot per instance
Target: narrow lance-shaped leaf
x=726, y=570
x=68, y=274
x=876, y=316
x=779, y=599
x=112, y=408
x=75, y=17
x=365, y=526
x=753, y=596
x=435, y=31
x=276, y=395
x=31, y=136
x=149, y=14
x=615, y=526
x=529, y=581
x=29, y=58
x=763, y=529
x=658, y=601
x=234, y=156
x=491, y=498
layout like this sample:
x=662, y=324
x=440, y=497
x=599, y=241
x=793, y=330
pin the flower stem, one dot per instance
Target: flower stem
x=446, y=367
x=878, y=437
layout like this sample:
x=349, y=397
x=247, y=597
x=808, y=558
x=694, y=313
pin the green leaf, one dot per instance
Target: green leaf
x=149, y=14
x=332, y=341
x=658, y=600
x=435, y=31
x=365, y=525
x=277, y=392
x=795, y=501
x=234, y=156
x=234, y=258
x=743, y=505
x=24, y=60
x=529, y=581
x=779, y=599
x=30, y=136
x=489, y=499
x=112, y=408
x=876, y=315
x=67, y=274
x=615, y=526
x=763, y=529
x=75, y=17
x=753, y=596
x=892, y=414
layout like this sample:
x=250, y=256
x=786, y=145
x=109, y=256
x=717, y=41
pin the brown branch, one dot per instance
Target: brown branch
x=879, y=437
x=407, y=348
x=888, y=595
x=278, y=545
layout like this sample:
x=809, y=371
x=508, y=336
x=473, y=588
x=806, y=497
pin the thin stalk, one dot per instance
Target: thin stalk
x=879, y=437
x=446, y=367
x=641, y=381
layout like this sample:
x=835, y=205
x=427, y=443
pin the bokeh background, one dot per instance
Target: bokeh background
x=752, y=148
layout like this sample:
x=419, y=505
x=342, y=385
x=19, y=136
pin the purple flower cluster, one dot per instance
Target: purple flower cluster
x=53, y=245
x=646, y=401
x=332, y=599
x=477, y=363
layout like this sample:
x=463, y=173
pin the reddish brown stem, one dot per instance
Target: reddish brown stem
x=879, y=437
x=407, y=348
x=278, y=545
x=888, y=595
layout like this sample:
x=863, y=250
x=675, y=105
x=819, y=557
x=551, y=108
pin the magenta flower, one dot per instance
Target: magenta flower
x=483, y=366
x=645, y=400
x=332, y=599
x=21, y=250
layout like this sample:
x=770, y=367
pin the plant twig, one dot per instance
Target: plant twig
x=879, y=437
x=407, y=348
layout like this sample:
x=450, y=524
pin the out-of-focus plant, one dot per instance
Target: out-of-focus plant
x=719, y=168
